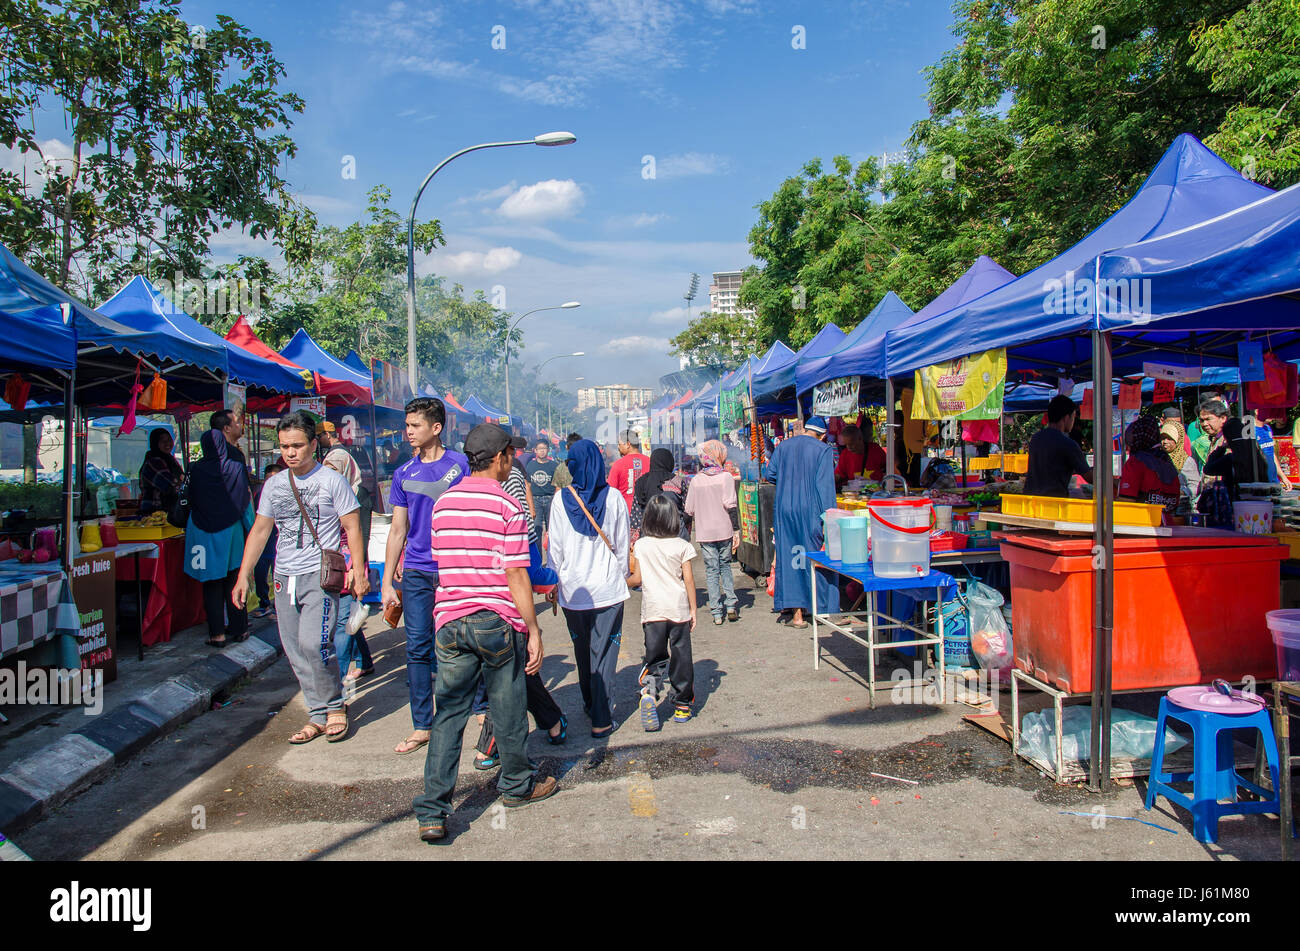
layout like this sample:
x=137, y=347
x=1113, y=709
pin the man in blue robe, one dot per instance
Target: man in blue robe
x=803, y=469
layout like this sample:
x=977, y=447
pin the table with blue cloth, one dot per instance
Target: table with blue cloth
x=936, y=586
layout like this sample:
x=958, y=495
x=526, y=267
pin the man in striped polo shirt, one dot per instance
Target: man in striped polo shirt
x=485, y=625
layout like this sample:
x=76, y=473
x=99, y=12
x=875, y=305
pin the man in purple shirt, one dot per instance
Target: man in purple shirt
x=417, y=484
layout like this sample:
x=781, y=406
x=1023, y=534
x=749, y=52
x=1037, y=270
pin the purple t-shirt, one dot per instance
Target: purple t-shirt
x=416, y=486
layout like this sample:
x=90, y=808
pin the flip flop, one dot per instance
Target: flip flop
x=409, y=740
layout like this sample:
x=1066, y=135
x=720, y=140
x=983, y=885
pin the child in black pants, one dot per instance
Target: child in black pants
x=661, y=565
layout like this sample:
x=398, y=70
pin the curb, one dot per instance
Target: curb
x=38, y=783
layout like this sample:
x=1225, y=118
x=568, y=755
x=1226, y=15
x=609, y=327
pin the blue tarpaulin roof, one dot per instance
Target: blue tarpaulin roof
x=490, y=413
x=353, y=360
x=140, y=304
x=34, y=331
x=771, y=383
x=1235, y=273
x=1188, y=185
x=862, y=352
x=706, y=400
x=736, y=376
x=1034, y=395
x=306, y=352
x=165, y=334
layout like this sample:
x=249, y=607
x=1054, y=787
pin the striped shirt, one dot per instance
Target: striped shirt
x=517, y=487
x=477, y=532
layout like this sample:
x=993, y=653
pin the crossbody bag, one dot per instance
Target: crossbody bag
x=333, y=566
x=592, y=520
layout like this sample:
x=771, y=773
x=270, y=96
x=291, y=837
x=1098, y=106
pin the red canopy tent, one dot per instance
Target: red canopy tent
x=341, y=391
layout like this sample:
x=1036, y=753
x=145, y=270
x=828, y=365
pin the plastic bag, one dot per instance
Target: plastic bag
x=990, y=638
x=1131, y=734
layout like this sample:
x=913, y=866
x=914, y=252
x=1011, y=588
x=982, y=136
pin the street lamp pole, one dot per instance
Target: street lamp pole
x=549, y=138
x=568, y=305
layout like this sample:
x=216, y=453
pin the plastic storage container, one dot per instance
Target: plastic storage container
x=831, y=521
x=900, y=537
x=1284, y=625
x=1253, y=518
x=853, y=540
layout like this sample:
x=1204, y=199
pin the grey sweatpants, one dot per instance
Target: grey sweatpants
x=307, y=617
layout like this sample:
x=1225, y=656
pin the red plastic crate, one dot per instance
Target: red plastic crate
x=948, y=541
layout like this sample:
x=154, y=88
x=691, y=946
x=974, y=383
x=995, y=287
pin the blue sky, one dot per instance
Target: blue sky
x=713, y=90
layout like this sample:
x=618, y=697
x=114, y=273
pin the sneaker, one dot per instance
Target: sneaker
x=649, y=713
x=542, y=789
x=681, y=714
x=264, y=611
x=717, y=619
x=433, y=831
x=733, y=614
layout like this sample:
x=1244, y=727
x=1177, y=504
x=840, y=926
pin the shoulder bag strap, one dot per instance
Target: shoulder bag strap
x=302, y=508
x=592, y=520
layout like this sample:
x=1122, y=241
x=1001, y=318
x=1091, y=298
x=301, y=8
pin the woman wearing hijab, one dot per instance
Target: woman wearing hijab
x=1149, y=475
x=589, y=552
x=659, y=478
x=160, y=474
x=712, y=503
x=1173, y=441
x=221, y=515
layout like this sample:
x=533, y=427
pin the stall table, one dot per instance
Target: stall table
x=935, y=586
x=175, y=599
x=36, y=605
x=134, y=550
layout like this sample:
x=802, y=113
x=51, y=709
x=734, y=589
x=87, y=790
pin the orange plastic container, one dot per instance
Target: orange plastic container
x=1187, y=609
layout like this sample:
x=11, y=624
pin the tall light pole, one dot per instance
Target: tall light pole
x=537, y=410
x=569, y=305
x=549, y=138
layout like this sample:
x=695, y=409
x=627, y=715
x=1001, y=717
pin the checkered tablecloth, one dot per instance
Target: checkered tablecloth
x=35, y=605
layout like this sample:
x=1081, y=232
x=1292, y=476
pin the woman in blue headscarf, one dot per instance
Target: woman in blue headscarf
x=588, y=550
x=221, y=514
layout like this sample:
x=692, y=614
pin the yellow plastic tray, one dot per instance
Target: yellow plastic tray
x=1292, y=539
x=1015, y=462
x=147, y=533
x=1079, y=510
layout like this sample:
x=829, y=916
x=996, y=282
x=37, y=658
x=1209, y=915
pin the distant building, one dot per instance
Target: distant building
x=724, y=294
x=617, y=397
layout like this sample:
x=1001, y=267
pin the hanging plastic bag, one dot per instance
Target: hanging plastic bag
x=990, y=638
x=154, y=397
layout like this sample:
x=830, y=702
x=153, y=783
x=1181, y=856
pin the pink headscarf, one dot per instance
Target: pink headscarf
x=714, y=451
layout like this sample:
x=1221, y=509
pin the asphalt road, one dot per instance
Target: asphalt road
x=778, y=763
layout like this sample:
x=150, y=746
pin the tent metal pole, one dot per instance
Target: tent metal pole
x=889, y=426
x=69, y=482
x=1103, y=573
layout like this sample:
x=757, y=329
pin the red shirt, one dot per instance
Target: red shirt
x=1138, y=481
x=624, y=473
x=851, y=465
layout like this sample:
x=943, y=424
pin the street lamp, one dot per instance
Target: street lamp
x=537, y=411
x=548, y=138
x=565, y=306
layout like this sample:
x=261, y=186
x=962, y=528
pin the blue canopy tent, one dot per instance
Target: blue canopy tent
x=306, y=352
x=353, y=360
x=491, y=413
x=776, y=384
x=140, y=304
x=1049, y=319
x=778, y=355
x=1033, y=396
x=862, y=352
x=35, y=334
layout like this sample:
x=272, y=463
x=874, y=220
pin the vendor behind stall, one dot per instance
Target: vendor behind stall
x=860, y=455
x=1149, y=475
x=1053, y=456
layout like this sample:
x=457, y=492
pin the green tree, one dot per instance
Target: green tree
x=1254, y=55
x=717, y=340
x=176, y=132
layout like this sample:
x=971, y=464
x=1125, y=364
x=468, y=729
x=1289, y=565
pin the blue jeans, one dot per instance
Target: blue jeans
x=717, y=574
x=483, y=644
x=350, y=647
x=418, y=589
x=596, y=633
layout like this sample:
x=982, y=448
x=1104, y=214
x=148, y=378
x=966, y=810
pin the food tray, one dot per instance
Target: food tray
x=1079, y=510
x=948, y=541
x=1289, y=538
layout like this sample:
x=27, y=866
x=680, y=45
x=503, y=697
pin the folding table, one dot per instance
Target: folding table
x=932, y=587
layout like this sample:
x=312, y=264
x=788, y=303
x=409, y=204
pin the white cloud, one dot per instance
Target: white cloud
x=489, y=194
x=28, y=164
x=478, y=262
x=552, y=198
x=635, y=345
x=672, y=316
x=691, y=163
x=642, y=220
x=327, y=204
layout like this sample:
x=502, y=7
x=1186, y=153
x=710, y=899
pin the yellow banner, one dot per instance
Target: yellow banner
x=965, y=388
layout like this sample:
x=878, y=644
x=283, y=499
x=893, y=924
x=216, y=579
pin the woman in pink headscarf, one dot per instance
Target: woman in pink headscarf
x=711, y=501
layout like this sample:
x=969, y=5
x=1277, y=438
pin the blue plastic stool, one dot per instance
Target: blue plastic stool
x=1214, y=776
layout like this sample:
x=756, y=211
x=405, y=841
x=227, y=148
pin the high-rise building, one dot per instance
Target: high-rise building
x=724, y=294
x=617, y=397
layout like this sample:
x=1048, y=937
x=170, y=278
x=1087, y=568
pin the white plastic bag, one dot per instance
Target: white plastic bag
x=990, y=638
x=1131, y=734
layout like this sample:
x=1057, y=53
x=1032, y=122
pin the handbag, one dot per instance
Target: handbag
x=178, y=514
x=333, y=566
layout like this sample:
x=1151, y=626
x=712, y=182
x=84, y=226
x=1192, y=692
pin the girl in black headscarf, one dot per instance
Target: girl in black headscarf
x=221, y=515
x=160, y=474
x=1149, y=475
x=659, y=478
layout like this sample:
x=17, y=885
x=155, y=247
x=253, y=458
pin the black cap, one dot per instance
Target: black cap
x=486, y=440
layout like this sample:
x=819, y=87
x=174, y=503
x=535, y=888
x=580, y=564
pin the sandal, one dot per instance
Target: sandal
x=412, y=743
x=307, y=733
x=487, y=762
x=564, y=732
x=213, y=642
x=336, y=718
